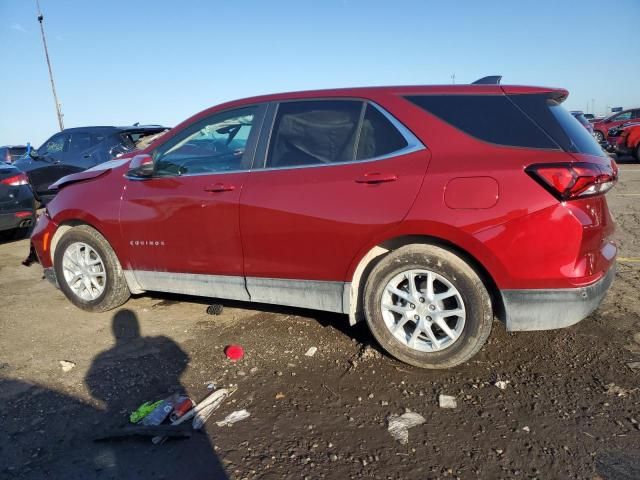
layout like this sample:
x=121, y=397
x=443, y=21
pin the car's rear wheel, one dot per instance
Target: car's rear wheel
x=88, y=270
x=599, y=136
x=427, y=307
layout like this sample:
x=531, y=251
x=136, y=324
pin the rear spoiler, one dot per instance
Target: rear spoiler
x=489, y=80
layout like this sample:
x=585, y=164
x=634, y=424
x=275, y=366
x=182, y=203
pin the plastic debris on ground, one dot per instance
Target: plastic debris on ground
x=203, y=411
x=399, y=425
x=234, y=352
x=447, y=401
x=233, y=418
x=66, y=365
x=162, y=419
x=143, y=410
x=311, y=352
x=502, y=384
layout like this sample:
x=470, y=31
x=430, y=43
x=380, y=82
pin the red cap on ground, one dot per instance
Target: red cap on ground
x=234, y=352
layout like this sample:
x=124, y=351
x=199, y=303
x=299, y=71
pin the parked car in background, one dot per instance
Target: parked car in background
x=589, y=116
x=625, y=139
x=601, y=127
x=17, y=205
x=11, y=153
x=407, y=207
x=578, y=115
x=77, y=149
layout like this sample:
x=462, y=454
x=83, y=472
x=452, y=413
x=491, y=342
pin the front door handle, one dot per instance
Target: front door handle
x=220, y=187
x=377, y=177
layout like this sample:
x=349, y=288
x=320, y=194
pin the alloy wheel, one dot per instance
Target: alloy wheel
x=84, y=271
x=423, y=310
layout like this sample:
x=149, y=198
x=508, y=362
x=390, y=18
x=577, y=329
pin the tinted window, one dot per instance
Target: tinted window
x=622, y=116
x=314, y=132
x=492, y=118
x=216, y=144
x=377, y=135
x=81, y=141
x=558, y=123
x=636, y=114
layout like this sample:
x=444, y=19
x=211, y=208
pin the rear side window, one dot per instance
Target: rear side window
x=558, y=123
x=378, y=136
x=491, y=118
x=314, y=132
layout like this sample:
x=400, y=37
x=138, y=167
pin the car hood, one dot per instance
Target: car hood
x=93, y=172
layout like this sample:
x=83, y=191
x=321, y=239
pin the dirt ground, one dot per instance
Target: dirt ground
x=570, y=409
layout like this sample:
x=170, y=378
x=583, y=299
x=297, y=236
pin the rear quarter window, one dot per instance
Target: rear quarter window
x=490, y=118
x=558, y=123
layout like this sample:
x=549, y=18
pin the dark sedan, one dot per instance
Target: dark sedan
x=17, y=205
x=76, y=149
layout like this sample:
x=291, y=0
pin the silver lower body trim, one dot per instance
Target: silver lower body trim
x=218, y=286
x=313, y=294
x=553, y=308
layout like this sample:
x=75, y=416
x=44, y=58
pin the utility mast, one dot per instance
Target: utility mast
x=46, y=54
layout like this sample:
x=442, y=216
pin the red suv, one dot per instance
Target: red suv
x=426, y=211
x=601, y=127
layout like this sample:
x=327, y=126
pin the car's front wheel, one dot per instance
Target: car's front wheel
x=599, y=136
x=427, y=307
x=88, y=271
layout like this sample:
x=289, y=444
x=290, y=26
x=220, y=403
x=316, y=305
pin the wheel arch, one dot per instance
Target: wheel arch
x=368, y=261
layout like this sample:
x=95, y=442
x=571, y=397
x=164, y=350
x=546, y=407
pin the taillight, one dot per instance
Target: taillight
x=567, y=181
x=20, y=179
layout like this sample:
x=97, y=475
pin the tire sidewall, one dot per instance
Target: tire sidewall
x=74, y=236
x=459, y=274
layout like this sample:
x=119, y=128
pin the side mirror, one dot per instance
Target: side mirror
x=141, y=166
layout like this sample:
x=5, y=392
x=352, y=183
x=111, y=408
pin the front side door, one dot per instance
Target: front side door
x=181, y=226
x=336, y=173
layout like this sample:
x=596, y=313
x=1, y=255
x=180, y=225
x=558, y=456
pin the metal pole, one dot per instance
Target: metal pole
x=46, y=54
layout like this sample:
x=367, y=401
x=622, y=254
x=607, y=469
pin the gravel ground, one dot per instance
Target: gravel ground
x=570, y=407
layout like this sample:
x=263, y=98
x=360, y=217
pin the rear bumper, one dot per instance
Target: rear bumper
x=24, y=218
x=553, y=308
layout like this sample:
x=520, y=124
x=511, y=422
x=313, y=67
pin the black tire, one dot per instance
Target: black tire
x=599, y=136
x=116, y=291
x=479, y=313
x=637, y=153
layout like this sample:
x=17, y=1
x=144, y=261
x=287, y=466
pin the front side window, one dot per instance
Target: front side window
x=215, y=144
x=314, y=132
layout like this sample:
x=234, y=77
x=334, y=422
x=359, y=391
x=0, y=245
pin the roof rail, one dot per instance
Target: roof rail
x=490, y=80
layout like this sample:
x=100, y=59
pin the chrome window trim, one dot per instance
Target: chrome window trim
x=413, y=143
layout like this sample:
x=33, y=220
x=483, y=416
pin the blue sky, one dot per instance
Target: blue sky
x=122, y=61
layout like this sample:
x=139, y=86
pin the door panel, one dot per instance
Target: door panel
x=181, y=227
x=309, y=223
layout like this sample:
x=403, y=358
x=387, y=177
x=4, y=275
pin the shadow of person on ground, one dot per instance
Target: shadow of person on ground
x=50, y=434
x=138, y=369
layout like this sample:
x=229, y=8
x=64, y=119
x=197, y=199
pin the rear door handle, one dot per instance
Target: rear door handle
x=377, y=177
x=220, y=187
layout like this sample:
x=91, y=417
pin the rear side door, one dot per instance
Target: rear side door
x=335, y=173
x=181, y=226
